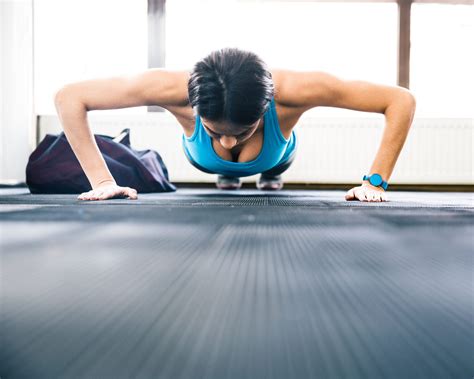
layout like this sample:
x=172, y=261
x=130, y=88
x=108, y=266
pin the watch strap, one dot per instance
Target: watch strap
x=384, y=184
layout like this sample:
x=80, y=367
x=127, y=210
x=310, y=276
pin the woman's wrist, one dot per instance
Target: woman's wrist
x=104, y=182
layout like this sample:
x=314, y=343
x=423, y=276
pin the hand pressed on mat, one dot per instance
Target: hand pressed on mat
x=109, y=191
x=366, y=192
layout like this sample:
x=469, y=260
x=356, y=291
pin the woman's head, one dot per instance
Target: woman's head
x=231, y=87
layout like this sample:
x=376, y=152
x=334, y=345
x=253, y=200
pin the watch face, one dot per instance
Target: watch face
x=375, y=180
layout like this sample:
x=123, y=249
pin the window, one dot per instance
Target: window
x=354, y=41
x=442, y=61
x=85, y=39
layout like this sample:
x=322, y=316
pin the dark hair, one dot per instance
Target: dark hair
x=231, y=85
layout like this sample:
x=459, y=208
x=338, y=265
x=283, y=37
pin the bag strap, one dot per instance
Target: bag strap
x=123, y=136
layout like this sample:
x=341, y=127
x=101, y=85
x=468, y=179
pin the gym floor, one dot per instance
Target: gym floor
x=202, y=283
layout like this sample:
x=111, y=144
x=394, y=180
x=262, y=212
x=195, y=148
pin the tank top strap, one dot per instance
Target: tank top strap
x=274, y=125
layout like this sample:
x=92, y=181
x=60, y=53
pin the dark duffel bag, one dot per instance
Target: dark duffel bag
x=53, y=167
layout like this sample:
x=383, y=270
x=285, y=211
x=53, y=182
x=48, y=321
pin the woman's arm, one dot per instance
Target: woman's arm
x=73, y=101
x=311, y=89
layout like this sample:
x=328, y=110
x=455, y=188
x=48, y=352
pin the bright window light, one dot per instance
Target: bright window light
x=353, y=41
x=442, y=60
x=86, y=39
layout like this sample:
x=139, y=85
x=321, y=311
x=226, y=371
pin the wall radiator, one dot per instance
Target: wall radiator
x=331, y=150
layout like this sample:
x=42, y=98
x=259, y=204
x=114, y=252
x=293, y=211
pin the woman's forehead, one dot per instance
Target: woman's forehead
x=225, y=126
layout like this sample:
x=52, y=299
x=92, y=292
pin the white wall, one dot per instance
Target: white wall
x=16, y=88
x=331, y=150
x=113, y=43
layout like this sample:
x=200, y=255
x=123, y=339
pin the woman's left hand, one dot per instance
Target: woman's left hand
x=366, y=192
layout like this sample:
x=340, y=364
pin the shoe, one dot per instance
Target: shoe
x=228, y=182
x=272, y=183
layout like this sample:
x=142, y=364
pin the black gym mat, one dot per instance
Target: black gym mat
x=208, y=284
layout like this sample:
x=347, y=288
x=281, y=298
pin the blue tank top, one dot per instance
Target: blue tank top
x=275, y=149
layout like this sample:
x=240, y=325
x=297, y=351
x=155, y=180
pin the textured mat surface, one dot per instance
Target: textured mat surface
x=206, y=284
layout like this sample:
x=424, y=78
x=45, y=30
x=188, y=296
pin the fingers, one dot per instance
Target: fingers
x=131, y=193
x=109, y=193
x=91, y=195
x=373, y=196
x=363, y=193
x=85, y=195
x=360, y=194
x=350, y=194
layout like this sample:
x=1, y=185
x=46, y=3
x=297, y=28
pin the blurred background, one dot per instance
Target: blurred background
x=425, y=46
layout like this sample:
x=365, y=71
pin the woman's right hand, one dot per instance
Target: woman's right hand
x=109, y=191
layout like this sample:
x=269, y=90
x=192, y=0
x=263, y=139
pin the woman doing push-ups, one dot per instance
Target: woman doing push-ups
x=238, y=118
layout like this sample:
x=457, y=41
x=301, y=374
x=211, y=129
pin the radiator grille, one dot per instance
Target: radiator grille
x=331, y=150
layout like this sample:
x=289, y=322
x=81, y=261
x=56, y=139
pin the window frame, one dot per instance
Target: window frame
x=157, y=30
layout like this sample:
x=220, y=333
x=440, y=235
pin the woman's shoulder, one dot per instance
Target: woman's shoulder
x=285, y=85
x=181, y=109
x=286, y=102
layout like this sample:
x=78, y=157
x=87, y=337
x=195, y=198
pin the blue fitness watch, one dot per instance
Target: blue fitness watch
x=376, y=180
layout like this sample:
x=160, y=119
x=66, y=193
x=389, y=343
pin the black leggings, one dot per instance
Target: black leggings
x=277, y=170
x=281, y=167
